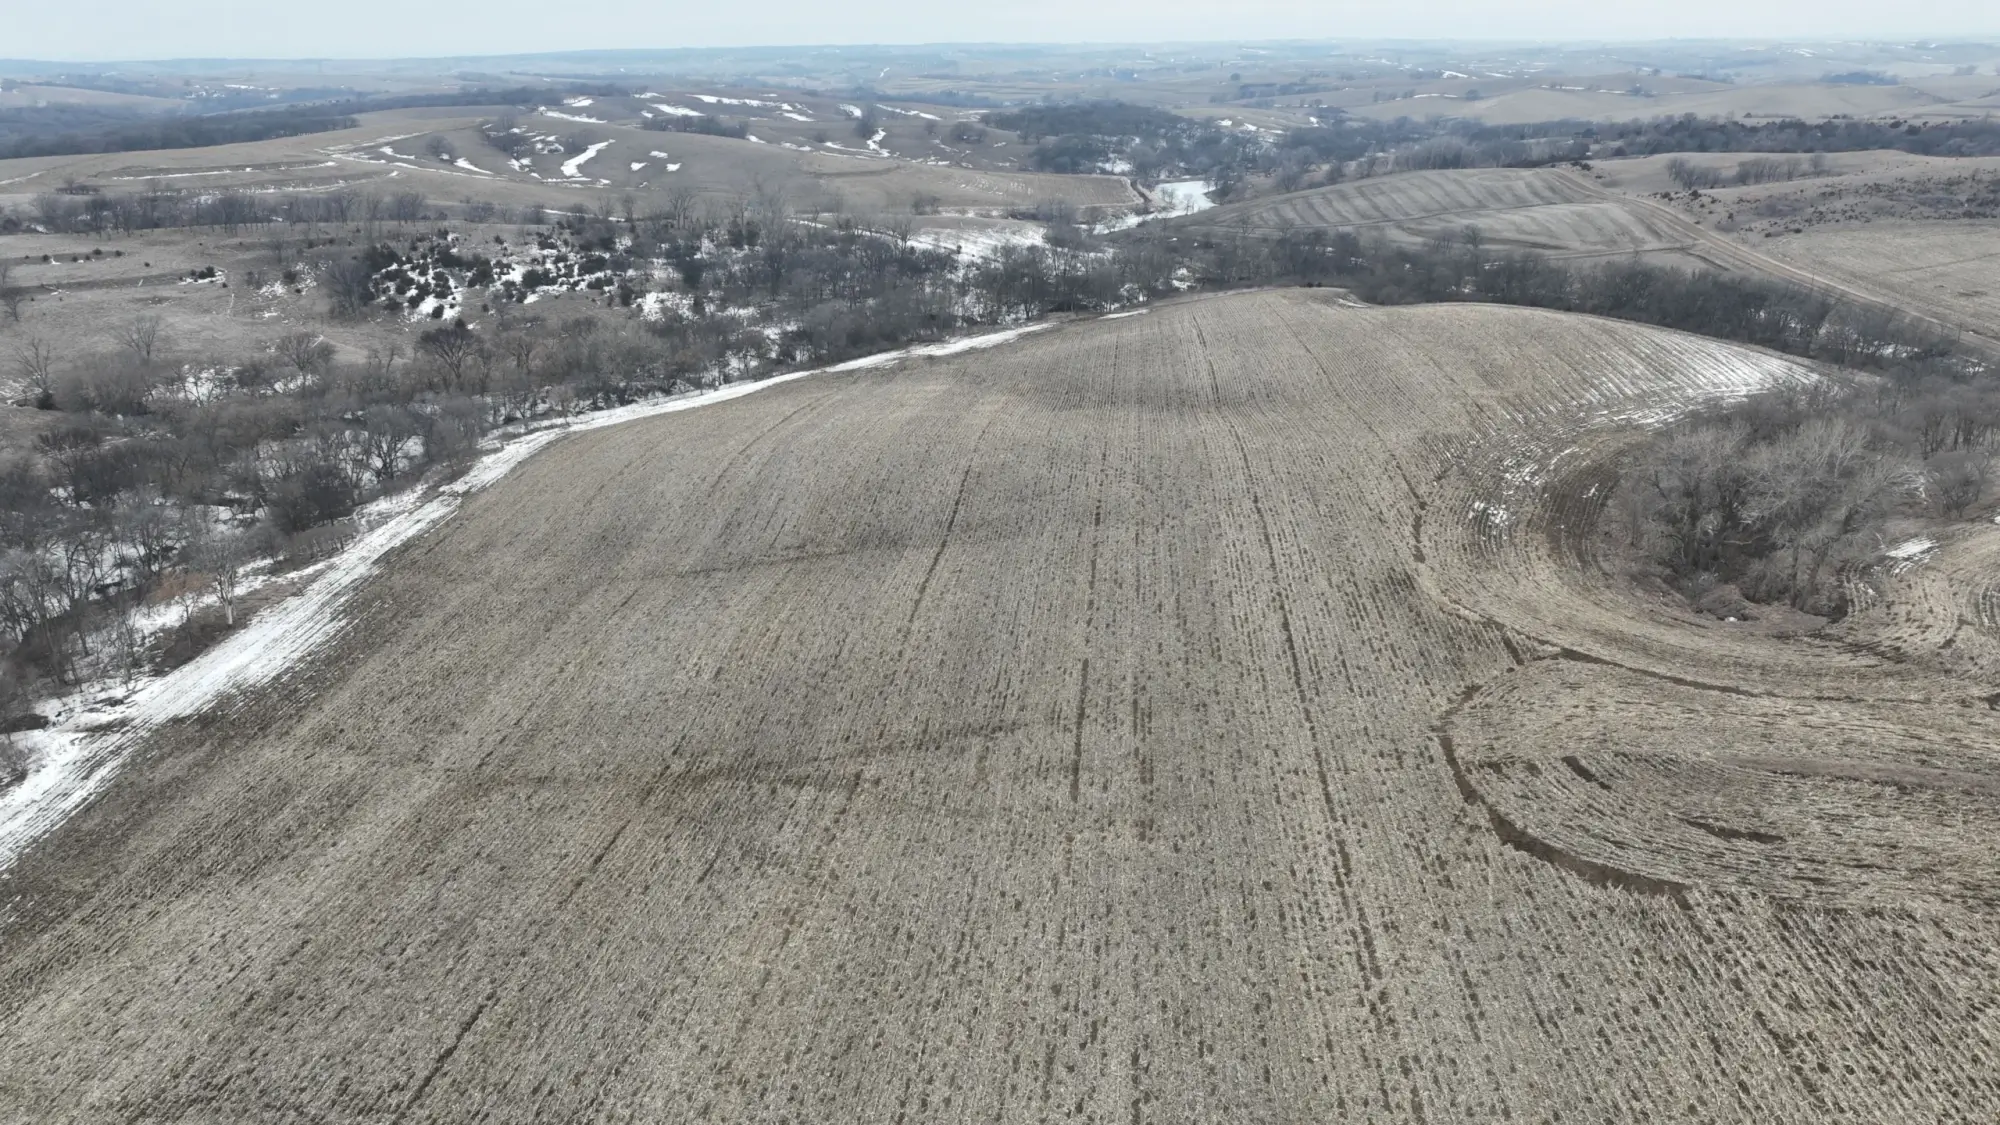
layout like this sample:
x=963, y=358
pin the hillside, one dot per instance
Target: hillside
x=1545, y=210
x=1207, y=715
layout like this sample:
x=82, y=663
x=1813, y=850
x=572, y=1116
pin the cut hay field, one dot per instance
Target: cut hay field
x=1546, y=210
x=1951, y=267
x=1211, y=715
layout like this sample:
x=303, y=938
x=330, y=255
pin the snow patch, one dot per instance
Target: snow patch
x=573, y=167
x=1911, y=553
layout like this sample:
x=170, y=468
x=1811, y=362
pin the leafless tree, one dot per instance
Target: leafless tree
x=219, y=556
x=13, y=696
x=386, y=431
x=307, y=353
x=1958, y=479
x=126, y=638
x=140, y=336
x=406, y=206
x=521, y=346
x=452, y=347
x=35, y=362
x=1690, y=175
x=681, y=205
x=11, y=295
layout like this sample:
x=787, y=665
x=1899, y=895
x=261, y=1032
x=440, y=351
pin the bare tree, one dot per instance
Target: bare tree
x=1690, y=175
x=521, y=346
x=386, y=431
x=126, y=642
x=11, y=295
x=406, y=206
x=140, y=336
x=350, y=285
x=680, y=206
x=13, y=695
x=35, y=362
x=452, y=348
x=1958, y=479
x=219, y=556
x=307, y=353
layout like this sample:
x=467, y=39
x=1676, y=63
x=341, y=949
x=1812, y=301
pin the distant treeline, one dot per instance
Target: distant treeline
x=958, y=98
x=517, y=95
x=708, y=126
x=1089, y=136
x=1090, y=119
x=1767, y=313
x=156, y=132
x=1695, y=134
x=78, y=130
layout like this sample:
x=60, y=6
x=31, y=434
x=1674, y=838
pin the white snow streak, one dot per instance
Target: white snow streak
x=573, y=167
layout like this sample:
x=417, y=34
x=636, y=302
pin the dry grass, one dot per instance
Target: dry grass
x=714, y=167
x=1946, y=266
x=1138, y=723
x=1554, y=99
x=1548, y=211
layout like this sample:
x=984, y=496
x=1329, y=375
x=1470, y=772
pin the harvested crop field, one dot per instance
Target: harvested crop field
x=1546, y=210
x=1951, y=269
x=1208, y=715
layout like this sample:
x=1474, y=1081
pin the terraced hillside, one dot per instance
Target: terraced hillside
x=1210, y=715
x=1543, y=210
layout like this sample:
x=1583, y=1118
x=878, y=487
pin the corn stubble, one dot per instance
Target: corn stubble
x=1209, y=716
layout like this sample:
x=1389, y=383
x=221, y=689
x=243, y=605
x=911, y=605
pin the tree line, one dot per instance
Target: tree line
x=110, y=134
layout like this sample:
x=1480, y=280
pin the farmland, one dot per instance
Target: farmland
x=1226, y=713
x=1953, y=267
x=1550, y=211
x=386, y=152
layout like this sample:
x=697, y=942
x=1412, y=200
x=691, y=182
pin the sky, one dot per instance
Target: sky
x=96, y=30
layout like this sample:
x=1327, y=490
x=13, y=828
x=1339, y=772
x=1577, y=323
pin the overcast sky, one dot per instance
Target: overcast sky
x=155, y=29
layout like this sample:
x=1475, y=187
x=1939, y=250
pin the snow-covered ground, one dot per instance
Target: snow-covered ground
x=1185, y=197
x=717, y=99
x=972, y=243
x=74, y=760
x=1180, y=197
x=573, y=167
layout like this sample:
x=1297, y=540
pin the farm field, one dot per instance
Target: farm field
x=1216, y=714
x=1547, y=210
x=1911, y=232
x=1610, y=98
x=1953, y=267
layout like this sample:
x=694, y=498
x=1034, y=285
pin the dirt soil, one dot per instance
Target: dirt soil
x=1210, y=715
